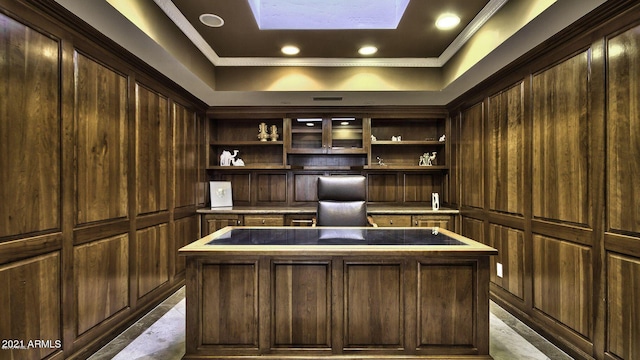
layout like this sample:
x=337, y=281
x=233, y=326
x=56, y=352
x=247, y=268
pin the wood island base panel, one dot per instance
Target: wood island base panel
x=337, y=293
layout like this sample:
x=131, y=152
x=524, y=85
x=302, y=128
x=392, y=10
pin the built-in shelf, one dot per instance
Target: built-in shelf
x=406, y=168
x=408, y=143
x=247, y=143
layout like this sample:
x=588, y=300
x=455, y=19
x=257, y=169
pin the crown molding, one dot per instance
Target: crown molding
x=185, y=26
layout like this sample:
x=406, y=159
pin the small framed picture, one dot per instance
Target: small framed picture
x=220, y=194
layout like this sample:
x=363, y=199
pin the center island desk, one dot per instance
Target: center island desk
x=337, y=293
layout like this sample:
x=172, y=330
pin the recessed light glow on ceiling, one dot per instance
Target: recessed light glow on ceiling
x=368, y=50
x=211, y=20
x=327, y=14
x=447, y=21
x=290, y=50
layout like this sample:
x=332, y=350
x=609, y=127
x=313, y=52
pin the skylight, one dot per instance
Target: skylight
x=327, y=14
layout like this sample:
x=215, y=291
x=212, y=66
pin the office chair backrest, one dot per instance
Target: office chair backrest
x=342, y=201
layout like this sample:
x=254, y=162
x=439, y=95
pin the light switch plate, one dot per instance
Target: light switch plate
x=499, y=269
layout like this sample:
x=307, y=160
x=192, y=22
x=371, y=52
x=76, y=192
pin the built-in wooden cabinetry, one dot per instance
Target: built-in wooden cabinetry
x=385, y=216
x=324, y=141
x=277, y=184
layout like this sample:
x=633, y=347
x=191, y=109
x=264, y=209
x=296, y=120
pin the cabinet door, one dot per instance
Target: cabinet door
x=307, y=135
x=392, y=220
x=335, y=135
x=264, y=220
x=212, y=223
x=346, y=135
x=441, y=221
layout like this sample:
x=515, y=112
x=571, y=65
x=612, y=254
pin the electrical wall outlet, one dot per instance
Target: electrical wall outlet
x=499, y=269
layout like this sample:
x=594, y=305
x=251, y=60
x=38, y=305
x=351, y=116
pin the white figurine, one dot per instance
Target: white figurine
x=396, y=138
x=442, y=138
x=234, y=161
x=373, y=138
x=423, y=159
x=431, y=160
x=435, y=201
x=225, y=158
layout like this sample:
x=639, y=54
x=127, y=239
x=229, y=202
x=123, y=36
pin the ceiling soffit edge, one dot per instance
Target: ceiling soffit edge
x=185, y=26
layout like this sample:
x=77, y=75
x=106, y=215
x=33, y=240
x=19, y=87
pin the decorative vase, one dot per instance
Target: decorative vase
x=274, y=133
x=262, y=132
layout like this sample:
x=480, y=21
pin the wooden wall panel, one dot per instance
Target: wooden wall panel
x=101, y=280
x=31, y=308
x=305, y=187
x=505, y=156
x=455, y=160
x=623, y=129
x=510, y=245
x=153, y=258
x=30, y=150
x=296, y=320
x=471, y=145
x=184, y=155
x=240, y=187
x=185, y=232
x=272, y=188
x=152, y=151
x=222, y=283
x=373, y=303
x=623, y=325
x=563, y=282
x=473, y=229
x=379, y=185
x=561, y=142
x=418, y=187
x=445, y=305
x=102, y=151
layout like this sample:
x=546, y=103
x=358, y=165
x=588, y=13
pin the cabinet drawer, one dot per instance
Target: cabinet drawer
x=392, y=220
x=213, y=223
x=264, y=220
x=299, y=220
x=441, y=221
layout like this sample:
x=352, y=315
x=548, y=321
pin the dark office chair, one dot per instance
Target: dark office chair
x=342, y=201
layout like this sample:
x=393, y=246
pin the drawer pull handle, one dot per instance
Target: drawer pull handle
x=391, y=222
x=263, y=220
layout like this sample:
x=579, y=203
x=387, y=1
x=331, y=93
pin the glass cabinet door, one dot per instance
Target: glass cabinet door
x=306, y=135
x=346, y=134
x=326, y=135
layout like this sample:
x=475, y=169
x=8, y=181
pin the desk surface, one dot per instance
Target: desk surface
x=309, y=239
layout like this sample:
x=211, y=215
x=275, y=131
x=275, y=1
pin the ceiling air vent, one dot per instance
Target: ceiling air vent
x=327, y=98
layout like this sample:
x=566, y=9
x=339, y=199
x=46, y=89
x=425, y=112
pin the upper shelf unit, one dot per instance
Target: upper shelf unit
x=329, y=143
x=255, y=143
x=408, y=144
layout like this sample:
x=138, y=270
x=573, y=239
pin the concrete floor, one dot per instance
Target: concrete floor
x=160, y=335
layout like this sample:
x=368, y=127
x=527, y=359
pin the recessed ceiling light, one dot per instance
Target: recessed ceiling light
x=290, y=50
x=211, y=20
x=447, y=21
x=368, y=50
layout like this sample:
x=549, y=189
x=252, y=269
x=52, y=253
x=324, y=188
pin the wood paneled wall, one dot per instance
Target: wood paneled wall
x=29, y=110
x=561, y=141
x=99, y=179
x=553, y=141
